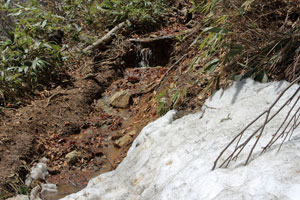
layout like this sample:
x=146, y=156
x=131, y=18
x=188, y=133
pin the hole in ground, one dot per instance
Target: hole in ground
x=148, y=54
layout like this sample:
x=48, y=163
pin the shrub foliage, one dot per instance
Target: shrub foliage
x=28, y=59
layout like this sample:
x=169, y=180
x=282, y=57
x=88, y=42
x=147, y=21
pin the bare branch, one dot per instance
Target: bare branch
x=107, y=38
x=240, y=147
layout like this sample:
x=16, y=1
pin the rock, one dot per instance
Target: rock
x=180, y=114
x=116, y=136
x=73, y=157
x=120, y=99
x=35, y=192
x=38, y=172
x=132, y=133
x=126, y=139
x=103, y=106
x=48, y=188
x=71, y=129
x=53, y=170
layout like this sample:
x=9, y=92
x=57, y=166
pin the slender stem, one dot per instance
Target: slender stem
x=240, y=147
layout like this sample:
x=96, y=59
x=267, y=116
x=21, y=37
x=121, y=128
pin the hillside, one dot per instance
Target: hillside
x=80, y=79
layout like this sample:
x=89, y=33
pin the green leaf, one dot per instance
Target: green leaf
x=216, y=30
x=37, y=44
x=26, y=69
x=15, y=14
x=47, y=45
x=44, y=23
x=211, y=65
x=243, y=65
x=238, y=77
x=34, y=63
x=11, y=37
x=213, y=4
x=234, y=49
x=7, y=4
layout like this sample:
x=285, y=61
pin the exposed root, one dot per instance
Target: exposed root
x=51, y=97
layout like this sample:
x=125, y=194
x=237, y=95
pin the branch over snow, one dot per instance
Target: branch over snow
x=285, y=129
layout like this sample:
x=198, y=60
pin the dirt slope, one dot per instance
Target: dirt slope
x=76, y=115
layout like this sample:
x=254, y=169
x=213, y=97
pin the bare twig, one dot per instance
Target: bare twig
x=240, y=147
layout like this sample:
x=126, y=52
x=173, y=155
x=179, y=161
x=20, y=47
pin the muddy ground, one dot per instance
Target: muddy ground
x=76, y=116
x=72, y=117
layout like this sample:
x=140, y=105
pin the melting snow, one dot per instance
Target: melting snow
x=173, y=159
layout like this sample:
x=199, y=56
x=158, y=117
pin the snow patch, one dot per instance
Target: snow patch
x=173, y=159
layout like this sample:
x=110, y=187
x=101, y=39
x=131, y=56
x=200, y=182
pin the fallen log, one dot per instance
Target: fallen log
x=107, y=38
x=150, y=40
x=166, y=37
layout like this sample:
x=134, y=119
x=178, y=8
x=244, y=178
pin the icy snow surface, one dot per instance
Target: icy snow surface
x=173, y=159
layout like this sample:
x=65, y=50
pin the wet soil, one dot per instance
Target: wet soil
x=76, y=116
x=62, y=112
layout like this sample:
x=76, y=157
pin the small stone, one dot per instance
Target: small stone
x=35, y=192
x=39, y=171
x=153, y=36
x=132, y=133
x=120, y=99
x=73, y=157
x=126, y=139
x=53, y=170
x=49, y=188
x=116, y=135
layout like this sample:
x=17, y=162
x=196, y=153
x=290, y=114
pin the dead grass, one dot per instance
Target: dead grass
x=269, y=32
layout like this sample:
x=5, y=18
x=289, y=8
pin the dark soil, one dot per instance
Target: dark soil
x=64, y=112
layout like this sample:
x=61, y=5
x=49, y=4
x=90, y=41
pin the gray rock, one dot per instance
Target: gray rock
x=126, y=139
x=38, y=172
x=48, y=188
x=35, y=193
x=120, y=99
x=73, y=157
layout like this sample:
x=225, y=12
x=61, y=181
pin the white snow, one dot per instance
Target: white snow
x=39, y=171
x=173, y=159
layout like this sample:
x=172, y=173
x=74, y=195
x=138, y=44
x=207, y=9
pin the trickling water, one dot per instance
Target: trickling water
x=144, y=56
